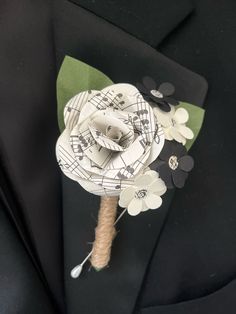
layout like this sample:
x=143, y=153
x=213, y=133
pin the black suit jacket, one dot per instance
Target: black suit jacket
x=171, y=261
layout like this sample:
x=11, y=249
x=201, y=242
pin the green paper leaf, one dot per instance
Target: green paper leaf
x=74, y=77
x=196, y=116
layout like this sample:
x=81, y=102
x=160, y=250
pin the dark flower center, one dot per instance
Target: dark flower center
x=156, y=93
x=173, y=162
x=141, y=194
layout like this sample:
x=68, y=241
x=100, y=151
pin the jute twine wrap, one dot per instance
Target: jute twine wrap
x=104, y=232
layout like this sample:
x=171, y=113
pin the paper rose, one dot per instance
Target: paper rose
x=144, y=194
x=174, y=124
x=173, y=164
x=159, y=95
x=110, y=138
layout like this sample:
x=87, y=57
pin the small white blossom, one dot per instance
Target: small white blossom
x=144, y=194
x=174, y=124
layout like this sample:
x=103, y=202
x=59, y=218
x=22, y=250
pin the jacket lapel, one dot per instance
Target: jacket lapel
x=151, y=24
x=123, y=58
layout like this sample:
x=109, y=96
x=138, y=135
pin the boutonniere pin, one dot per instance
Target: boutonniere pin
x=122, y=143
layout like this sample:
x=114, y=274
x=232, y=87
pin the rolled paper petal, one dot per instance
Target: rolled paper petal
x=105, y=141
x=96, y=103
x=99, y=190
x=186, y=163
x=124, y=90
x=179, y=177
x=181, y=116
x=74, y=106
x=153, y=201
x=157, y=145
x=135, y=207
x=114, y=138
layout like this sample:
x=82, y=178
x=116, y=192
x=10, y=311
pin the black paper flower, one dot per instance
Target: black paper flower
x=160, y=95
x=173, y=164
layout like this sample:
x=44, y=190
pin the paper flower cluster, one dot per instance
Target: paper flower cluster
x=113, y=137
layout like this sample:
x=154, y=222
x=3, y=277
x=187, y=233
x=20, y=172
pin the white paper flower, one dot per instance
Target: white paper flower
x=110, y=138
x=144, y=194
x=174, y=124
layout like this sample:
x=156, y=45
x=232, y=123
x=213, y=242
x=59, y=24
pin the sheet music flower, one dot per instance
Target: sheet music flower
x=174, y=124
x=159, y=95
x=110, y=138
x=144, y=194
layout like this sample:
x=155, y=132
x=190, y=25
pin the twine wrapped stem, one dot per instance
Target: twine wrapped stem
x=104, y=232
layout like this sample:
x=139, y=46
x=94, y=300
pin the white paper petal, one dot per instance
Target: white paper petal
x=66, y=158
x=98, y=189
x=164, y=118
x=176, y=135
x=144, y=207
x=158, y=187
x=181, y=116
x=153, y=201
x=93, y=164
x=154, y=175
x=124, y=88
x=185, y=131
x=74, y=106
x=135, y=207
x=168, y=136
x=157, y=145
x=100, y=101
x=104, y=141
x=143, y=180
x=126, y=196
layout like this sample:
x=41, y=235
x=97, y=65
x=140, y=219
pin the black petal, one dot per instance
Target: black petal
x=167, y=151
x=164, y=106
x=179, y=177
x=165, y=174
x=171, y=101
x=149, y=83
x=142, y=89
x=166, y=89
x=186, y=163
x=179, y=149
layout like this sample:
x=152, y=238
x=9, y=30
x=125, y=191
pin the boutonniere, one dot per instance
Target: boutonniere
x=125, y=143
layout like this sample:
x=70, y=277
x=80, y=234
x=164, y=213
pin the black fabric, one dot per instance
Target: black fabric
x=196, y=253
x=28, y=130
x=192, y=269
x=150, y=21
x=18, y=278
x=132, y=248
x=221, y=301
